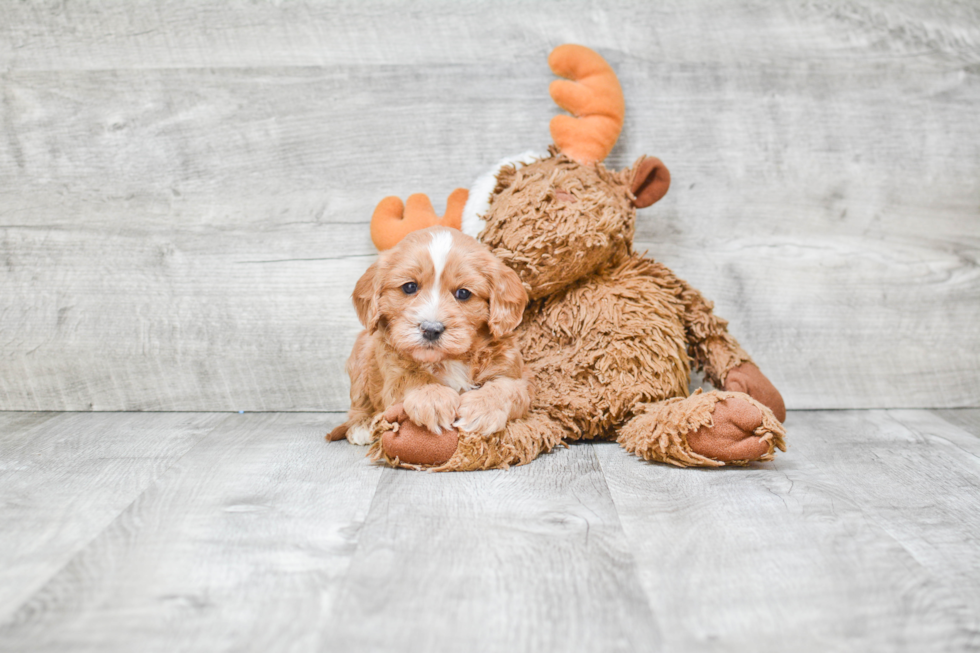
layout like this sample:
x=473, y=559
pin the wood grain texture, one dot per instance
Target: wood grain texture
x=967, y=419
x=240, y=546
x=185, y=188
x=250, y=533
x=861, y=537
x=12, y=424
x=529, y=559
x=65, y=477
x=115, y=34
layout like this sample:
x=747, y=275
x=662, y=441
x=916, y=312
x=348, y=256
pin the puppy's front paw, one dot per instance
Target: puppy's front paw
x=432, y=406
x=480, y=412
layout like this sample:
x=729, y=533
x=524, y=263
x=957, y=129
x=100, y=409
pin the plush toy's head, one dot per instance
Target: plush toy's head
x=561, y=217
x=556, y=218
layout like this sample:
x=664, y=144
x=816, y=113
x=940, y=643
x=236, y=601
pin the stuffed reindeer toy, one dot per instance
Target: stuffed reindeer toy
x=608, y=337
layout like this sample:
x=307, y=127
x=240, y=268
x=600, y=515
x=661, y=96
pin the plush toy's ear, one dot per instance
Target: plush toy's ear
x=507, y=300
x=366, y=295
x=393, y=220
x=651, y=179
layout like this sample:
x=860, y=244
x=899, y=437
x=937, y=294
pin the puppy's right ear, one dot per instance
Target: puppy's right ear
x=366, y=294
x=507, y=300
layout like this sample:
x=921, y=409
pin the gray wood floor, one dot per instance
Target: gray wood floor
x=219, y=532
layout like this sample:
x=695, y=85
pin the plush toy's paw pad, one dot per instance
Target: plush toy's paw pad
x=731, y=437
x=749, y=379
x=417, y=445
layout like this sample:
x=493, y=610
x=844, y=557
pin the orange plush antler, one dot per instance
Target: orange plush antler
x=593, y=96
x=392, y=220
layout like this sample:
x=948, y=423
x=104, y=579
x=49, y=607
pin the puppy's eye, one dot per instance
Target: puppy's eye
x=410, y=288
x=462, y=294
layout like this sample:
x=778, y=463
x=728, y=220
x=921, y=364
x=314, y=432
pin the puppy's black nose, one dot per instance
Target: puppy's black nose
x=432, y=330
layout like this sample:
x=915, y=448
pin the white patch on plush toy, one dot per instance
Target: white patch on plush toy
x=482, y=188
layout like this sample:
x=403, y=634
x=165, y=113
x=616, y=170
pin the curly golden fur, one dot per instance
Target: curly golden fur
x=470, y=375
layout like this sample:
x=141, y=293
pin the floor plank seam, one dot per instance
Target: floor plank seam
x=925, y=436
x=10, y=620
x=633, y=562
x=343, y=587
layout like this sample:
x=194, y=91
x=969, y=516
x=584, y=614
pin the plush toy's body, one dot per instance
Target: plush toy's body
x=610, y=336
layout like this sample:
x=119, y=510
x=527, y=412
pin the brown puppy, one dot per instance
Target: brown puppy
x=439, y=312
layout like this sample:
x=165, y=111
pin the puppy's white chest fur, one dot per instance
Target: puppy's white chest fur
x=457, y=375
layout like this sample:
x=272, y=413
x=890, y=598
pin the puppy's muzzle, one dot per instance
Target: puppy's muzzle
x=432, y=330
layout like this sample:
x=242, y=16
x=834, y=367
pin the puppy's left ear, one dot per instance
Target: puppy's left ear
x=507, y=300
x=366, y=298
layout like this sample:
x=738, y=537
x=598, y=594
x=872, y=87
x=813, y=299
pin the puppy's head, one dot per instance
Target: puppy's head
x=437, y=292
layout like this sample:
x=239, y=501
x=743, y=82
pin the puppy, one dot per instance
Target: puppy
x=439, y=311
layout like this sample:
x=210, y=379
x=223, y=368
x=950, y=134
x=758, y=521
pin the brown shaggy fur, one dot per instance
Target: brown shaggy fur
x=661, y=431
x=519, y=443
x=610, y=336
x=556, y=221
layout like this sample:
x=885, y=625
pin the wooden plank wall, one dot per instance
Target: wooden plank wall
x=185, y=187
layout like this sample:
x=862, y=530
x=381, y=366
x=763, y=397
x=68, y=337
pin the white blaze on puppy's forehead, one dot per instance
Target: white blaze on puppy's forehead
x=439, y=246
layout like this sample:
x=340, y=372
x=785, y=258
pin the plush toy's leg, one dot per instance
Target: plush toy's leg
x=404, y=444
x=748, y=379
x=704, y=430
x=717, y=353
